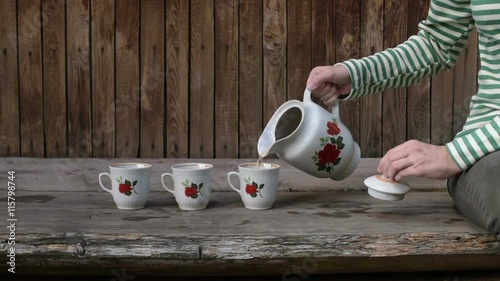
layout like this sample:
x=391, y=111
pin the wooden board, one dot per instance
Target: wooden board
x=299, y=47
x=250, y=75
x=275, y=40
x=423, y=233
x=82, y=174
x=31, y=84
x=442, y=108
x=418, y=103
x=464, y=87
x=54, y=78
x=177, y=27
x=201, y=110
x=103, y=78
x=323, y=32
x=394, y=100
x=127, y=78
x=78, y=75
x=226, y=78
x=152, y=78
x=347, y=37
x=370, y=114
x=9, y=87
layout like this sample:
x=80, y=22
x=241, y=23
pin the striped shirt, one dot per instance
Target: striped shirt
x=436, y=47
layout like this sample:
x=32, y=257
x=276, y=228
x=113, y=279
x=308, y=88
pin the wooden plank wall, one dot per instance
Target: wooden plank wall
x=201, y=78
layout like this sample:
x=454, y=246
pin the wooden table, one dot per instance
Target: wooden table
x=68, y=225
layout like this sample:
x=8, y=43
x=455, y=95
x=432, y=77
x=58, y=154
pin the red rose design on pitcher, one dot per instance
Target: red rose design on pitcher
x=329, y=157
x=329, y=154
x=333, y=129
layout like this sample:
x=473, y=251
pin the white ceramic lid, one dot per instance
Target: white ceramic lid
x=386, y=189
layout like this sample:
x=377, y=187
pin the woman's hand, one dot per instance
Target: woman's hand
x=414, y=158
x=329, y=82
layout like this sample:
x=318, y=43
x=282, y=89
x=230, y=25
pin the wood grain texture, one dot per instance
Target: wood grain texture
x=31, y=84
x=54, y=70
x=90, y=235
x=177, y=27
x=81, y=175
x=103, y=78
x=347, y=17
x=299, y=47
x=9, y=87
x=370, y=114
x=464, y=87
x=442, y=108
x=323, y=32
x=418, y=103
x=226, y=78
x=323, y=36
x=250, y=75
x=127, y=78
x=152, y=78
x=201, y=111
x=78, y=75
x=394, y=100
x=275, y=42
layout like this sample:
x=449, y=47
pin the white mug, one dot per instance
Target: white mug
x=129, y=184
x=258, y=184
x=192, y=185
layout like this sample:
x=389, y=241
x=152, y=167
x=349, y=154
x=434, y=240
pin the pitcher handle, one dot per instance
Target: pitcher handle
x=335, y=106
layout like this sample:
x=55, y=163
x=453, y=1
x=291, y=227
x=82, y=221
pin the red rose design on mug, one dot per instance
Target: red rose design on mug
x=329, y=156
x=192, y=190
x=126, y=187
x=252, y=188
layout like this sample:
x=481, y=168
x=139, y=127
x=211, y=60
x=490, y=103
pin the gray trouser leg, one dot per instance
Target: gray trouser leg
x=476, y=192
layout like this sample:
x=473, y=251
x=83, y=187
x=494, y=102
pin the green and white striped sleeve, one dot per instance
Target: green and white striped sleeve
x=469, y=148
x=436, y=47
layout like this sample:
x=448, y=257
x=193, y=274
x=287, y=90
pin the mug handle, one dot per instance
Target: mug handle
x=335, y=107
x=100, y=181
x=163, y=183
x=229, y=180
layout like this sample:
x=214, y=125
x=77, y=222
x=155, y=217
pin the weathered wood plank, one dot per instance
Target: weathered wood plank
x=423, y=233
x=250, y=75
x=81, y=174
x=103, y=78
x=464, y=86
x=347, y=37
x=78, y=72
x=152, y=78
x=127, y=78
x=394, y=100
x=442, y=108
x=299, y=47
x=9, y=86
x=294, y=213
x=201, y=116
x=370, y=114
x=30, y=84
x=177, y=78
x=418, y=103
x=323, y=32
x=54, y=71
x=226, y=79
x=323, y=35
x=275, y=40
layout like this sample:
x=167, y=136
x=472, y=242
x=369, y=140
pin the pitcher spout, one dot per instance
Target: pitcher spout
x=280, y=128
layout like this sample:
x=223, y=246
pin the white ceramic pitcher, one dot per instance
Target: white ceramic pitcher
x=310, y=138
